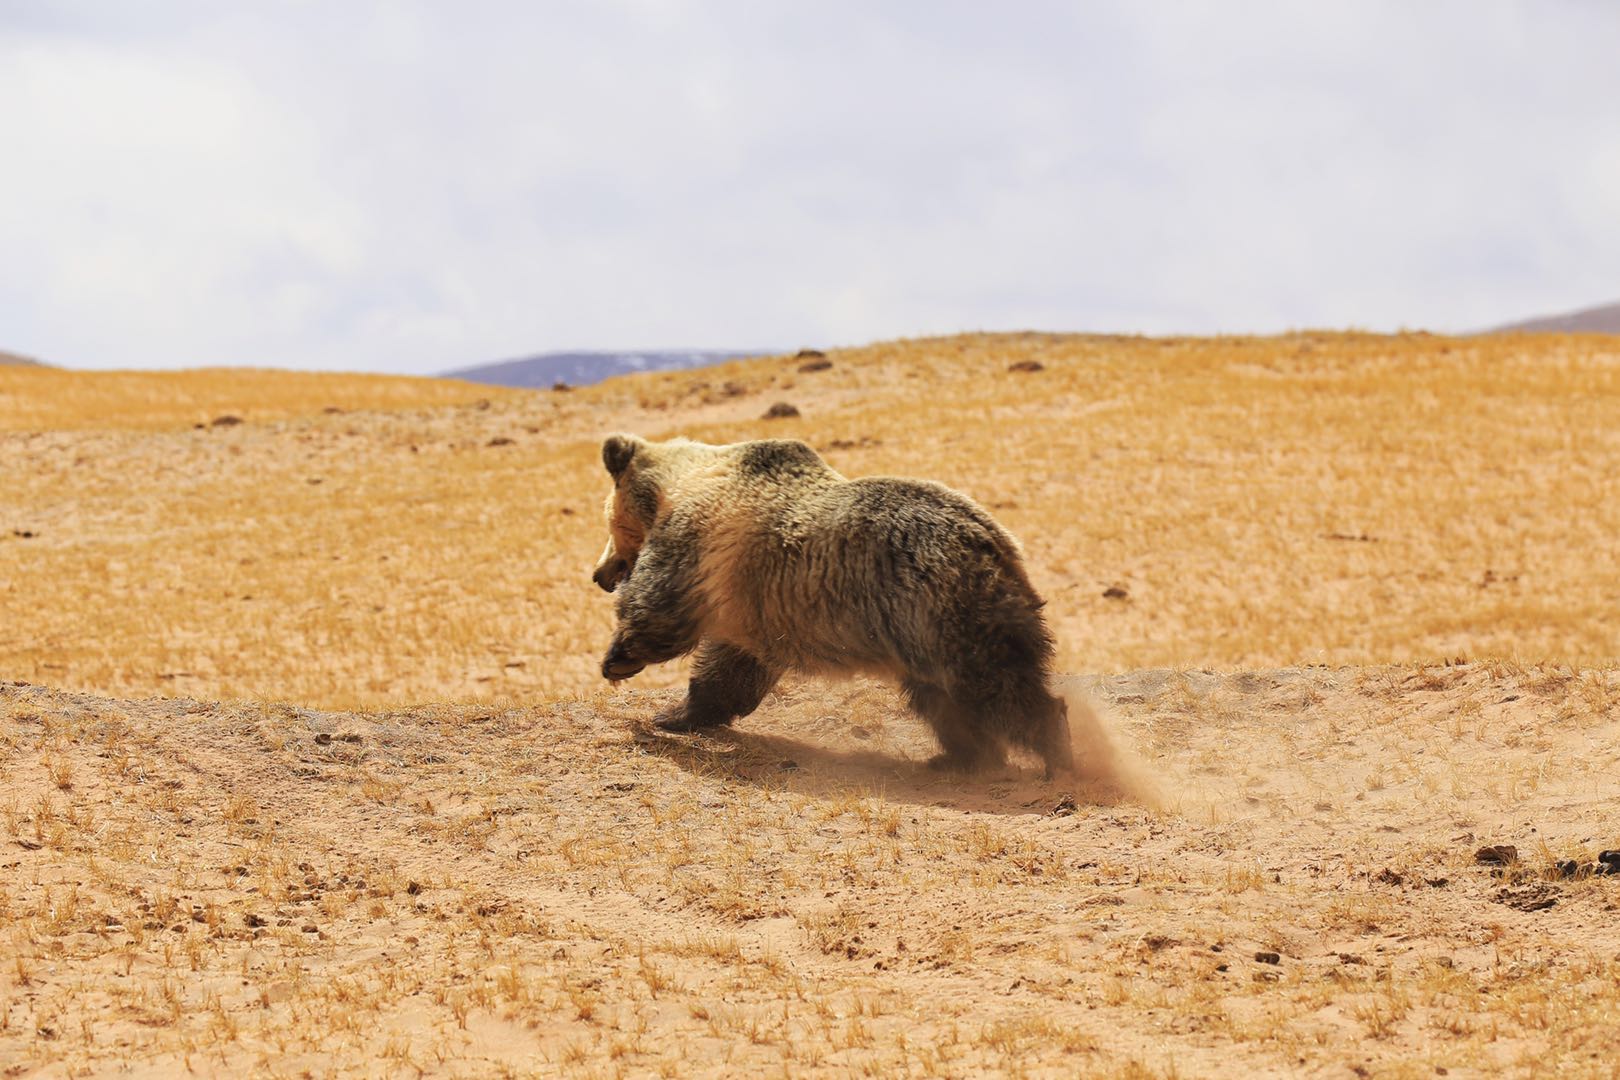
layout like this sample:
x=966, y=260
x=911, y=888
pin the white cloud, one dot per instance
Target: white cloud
x=413, y=186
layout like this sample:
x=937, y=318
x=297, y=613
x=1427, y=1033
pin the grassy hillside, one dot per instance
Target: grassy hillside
x=378, y=813
x=1231, y=502
x=35, y=398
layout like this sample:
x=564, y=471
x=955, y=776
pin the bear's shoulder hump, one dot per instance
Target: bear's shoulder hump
x=779, y=457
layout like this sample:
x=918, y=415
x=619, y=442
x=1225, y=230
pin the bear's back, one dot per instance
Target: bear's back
x=781, y=459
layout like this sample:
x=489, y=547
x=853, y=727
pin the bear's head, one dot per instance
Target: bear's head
x=632, y=508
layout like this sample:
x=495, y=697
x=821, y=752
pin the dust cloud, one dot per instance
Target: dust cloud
x=1106, y=768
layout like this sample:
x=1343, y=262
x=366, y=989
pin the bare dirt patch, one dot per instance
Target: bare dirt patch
x=559, y=887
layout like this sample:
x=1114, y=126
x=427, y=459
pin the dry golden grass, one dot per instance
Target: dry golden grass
x=555, y=888
x=1332, y=498
x=50, y=399
x=500, y=870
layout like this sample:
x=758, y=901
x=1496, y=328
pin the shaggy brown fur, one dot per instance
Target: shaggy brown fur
x=763, y=559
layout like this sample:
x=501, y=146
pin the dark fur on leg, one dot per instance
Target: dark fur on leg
x=1016, y=704
x=1047, y=733
x=1002, y=679
x=726, y=683
x=965, y=745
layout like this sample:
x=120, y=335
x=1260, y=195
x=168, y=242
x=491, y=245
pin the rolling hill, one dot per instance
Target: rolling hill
x=1603, y=319
x=544, y=371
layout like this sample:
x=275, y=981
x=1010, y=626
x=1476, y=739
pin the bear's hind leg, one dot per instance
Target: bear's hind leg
x=726, y=683
x=1050, y=738
x=965, y=746
x=1029, y=714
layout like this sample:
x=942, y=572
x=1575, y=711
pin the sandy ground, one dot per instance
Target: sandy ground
x=1277, y=875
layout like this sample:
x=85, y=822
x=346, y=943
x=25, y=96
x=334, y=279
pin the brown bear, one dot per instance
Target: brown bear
x=763, y=559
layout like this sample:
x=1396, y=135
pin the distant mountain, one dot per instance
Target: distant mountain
x=1593, y=320
x=14, y=358
x=584, y=368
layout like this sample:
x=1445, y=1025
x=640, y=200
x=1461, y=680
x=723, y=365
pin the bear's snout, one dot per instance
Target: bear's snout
x=609, y=574
x=618, y=665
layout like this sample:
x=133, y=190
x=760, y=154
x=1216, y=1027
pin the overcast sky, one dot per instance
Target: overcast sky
x=412, y=187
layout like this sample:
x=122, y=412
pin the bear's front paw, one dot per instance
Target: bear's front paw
x=683, y=718
x=619, y=664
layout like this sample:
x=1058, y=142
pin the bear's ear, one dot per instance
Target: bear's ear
x=617, y=452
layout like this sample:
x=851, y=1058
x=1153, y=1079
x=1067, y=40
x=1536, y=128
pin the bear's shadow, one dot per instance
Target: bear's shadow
x=780, y=763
